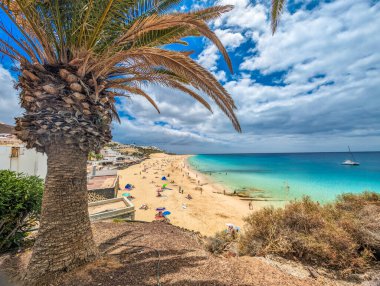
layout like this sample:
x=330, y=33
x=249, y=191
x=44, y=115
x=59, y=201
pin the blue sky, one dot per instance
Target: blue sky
x=313, y=86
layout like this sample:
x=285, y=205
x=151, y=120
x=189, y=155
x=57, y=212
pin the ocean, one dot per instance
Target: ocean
x=291, y=176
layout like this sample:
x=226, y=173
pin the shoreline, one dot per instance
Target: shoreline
x=217, y=186
x=240, y=194
x=207, y=212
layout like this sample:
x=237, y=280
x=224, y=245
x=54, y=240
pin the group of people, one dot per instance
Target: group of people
x=232, y=230
x=162, y=215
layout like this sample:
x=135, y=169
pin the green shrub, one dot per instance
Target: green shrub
x=20, y=204
x=344, y=235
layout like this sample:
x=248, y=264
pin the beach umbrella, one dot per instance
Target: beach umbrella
x=163, y=178
x=128, y=186
x=160, y=209
x=165, y=213
x=164, y=186
x=230, y=224
x=126, y=195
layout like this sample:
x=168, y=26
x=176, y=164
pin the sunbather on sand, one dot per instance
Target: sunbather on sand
x=144, y=207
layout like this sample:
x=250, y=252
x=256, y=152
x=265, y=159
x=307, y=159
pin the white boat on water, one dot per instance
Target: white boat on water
x=350, y=162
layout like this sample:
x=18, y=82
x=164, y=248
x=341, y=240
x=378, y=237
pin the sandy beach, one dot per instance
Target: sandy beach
x=207, y=212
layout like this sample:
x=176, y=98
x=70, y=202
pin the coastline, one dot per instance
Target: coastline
x=208, y=211
x=229, y=191
x=217, y=187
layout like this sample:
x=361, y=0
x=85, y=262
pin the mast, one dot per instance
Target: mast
x=352, y=155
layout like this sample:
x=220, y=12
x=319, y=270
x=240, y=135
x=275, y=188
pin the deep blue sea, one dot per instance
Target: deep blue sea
x=289, y=176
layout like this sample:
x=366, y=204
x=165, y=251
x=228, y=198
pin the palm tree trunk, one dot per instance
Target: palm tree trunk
x=65, y=237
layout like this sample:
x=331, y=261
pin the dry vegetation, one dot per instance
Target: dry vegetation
x=146, y=254
x=221, y=242
x=342, y=236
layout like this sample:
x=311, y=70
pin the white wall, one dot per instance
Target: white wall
x=29, y=161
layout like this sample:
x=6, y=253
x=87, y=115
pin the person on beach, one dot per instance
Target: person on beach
x=224, y=192
x=250, y=205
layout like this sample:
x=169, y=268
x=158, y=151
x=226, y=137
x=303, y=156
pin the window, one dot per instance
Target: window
x=15, y=152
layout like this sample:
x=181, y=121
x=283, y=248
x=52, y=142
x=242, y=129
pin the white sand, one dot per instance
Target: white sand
x=207, y=212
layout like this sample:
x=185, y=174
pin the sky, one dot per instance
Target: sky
x=313, y=86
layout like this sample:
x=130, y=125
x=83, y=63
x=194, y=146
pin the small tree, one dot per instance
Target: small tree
x=20, y=205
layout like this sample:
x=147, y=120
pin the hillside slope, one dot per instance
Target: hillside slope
x=130, y=254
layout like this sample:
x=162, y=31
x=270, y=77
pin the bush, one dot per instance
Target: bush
x=20, y=204
x=220, y=242
x=344, y=235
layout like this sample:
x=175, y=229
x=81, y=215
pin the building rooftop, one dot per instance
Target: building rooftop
x=105, y=172
x=101, y=182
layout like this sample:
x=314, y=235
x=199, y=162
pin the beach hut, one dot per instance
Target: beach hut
x=163, y=178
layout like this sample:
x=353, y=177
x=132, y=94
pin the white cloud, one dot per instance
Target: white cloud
x=324, y=96
x=231, y=40
x=9, y=107
x=209, y=57
x=221, y=76
x=329, y=40
x=313, y=86
x=245, y=15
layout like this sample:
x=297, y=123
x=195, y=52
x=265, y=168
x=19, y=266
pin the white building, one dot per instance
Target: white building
x=16, y=157
x=111, y=156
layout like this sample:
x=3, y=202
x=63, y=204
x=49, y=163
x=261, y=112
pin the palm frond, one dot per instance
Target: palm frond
x=191, y=71
x=277, y=9
x=115, y=47
x=137, y=32
x=138, y=91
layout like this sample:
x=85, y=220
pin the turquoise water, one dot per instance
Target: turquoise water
x=289, y=176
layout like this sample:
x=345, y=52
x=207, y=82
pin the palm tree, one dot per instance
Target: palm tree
x=75, y=58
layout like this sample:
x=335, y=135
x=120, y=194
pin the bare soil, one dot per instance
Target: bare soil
x=135, y=253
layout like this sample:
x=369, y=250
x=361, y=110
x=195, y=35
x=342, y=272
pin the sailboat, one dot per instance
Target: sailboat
x=351, y=162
